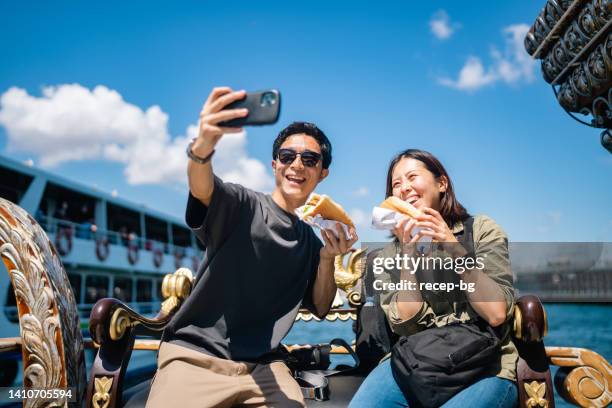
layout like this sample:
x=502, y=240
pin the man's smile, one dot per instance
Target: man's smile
x=295, y=179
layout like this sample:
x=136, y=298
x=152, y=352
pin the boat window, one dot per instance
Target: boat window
x=75, y=282
x=156, y=229
x=144, y=290
x=124, y=221
x=62, y=203
x=123, y=289
x=96, y=287
x=14, y=184
x=181, y=236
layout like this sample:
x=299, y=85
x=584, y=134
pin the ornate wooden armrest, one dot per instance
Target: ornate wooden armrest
x=112, y=325
x=532, y=372
x=110, y=318
x=584, y=377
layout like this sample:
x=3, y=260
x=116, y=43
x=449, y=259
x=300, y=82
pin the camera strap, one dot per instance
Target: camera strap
x=314, y=384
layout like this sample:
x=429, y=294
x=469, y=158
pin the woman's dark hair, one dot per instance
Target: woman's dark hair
x=451, y=210
x=309, y=129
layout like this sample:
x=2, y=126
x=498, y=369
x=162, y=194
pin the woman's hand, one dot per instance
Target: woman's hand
x=433, y=225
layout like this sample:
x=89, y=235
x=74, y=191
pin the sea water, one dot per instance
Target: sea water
x=569, y=325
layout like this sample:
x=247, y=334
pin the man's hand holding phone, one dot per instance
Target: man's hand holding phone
x=212, y=114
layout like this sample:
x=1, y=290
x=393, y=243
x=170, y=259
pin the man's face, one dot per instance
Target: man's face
x=295, y=179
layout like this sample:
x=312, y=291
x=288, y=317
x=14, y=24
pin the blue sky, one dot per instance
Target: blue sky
x=125, y=81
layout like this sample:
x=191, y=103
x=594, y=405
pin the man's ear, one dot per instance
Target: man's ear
x=324, y=174
x=274, y=167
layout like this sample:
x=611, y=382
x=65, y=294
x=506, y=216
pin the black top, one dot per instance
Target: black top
x=260, y=263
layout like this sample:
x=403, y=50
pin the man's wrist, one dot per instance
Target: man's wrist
x=326, y=258
x=201, y=148
x=194, y=156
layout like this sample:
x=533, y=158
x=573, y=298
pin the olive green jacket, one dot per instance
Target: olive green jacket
x=491, y=244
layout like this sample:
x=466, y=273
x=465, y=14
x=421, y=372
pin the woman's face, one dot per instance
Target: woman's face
x=413, y=183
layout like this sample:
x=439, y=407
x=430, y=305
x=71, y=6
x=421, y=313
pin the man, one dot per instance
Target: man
x=220, y=349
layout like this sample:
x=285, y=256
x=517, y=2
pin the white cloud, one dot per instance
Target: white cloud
x=510, y=66
x=361, y=192
x=472, y=76
x=360, y=218
x=73, y=123
x=440, y=25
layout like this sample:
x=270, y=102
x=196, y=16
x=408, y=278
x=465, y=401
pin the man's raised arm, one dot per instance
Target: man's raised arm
x=199, y=169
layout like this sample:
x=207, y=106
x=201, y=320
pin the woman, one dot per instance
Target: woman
x=417, y=177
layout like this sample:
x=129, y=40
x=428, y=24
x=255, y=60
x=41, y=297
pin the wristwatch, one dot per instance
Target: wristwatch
x=197, y=159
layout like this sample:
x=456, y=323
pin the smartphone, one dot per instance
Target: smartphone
x=263, y=106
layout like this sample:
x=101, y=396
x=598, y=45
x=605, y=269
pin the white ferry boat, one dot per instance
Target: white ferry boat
x=109, y=246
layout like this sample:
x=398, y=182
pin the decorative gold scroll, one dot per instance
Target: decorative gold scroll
x=589, y=380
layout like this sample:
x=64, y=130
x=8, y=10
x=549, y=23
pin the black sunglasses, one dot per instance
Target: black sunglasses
x=309, y=158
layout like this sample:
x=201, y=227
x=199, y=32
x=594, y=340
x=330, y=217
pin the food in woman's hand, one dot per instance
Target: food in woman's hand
x=395, y=204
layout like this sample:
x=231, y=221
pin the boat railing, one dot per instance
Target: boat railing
x=84, y=309
x=89, y=231
x=144, y=308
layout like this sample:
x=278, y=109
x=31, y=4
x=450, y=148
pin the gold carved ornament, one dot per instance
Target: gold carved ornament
x=175, y=288
x=536, y=392
x=102, y=395
x=21, y=249
x=347, y=277
x=120, y=321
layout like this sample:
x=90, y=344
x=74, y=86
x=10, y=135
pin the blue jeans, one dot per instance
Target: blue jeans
x=379, y=389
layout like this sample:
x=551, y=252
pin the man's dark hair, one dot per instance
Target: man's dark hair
x=306, y=128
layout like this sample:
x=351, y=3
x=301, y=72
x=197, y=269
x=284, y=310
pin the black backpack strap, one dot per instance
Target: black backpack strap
x=368, y=276
x=466, y=237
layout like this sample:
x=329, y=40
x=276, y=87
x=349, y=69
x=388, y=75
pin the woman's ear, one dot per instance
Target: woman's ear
x=442, y=184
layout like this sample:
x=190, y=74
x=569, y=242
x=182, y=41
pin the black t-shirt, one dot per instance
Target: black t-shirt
x=260, y=263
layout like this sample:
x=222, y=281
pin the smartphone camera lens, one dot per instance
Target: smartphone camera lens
x=268, y=99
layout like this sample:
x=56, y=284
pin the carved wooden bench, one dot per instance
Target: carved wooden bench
x=52, y=345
